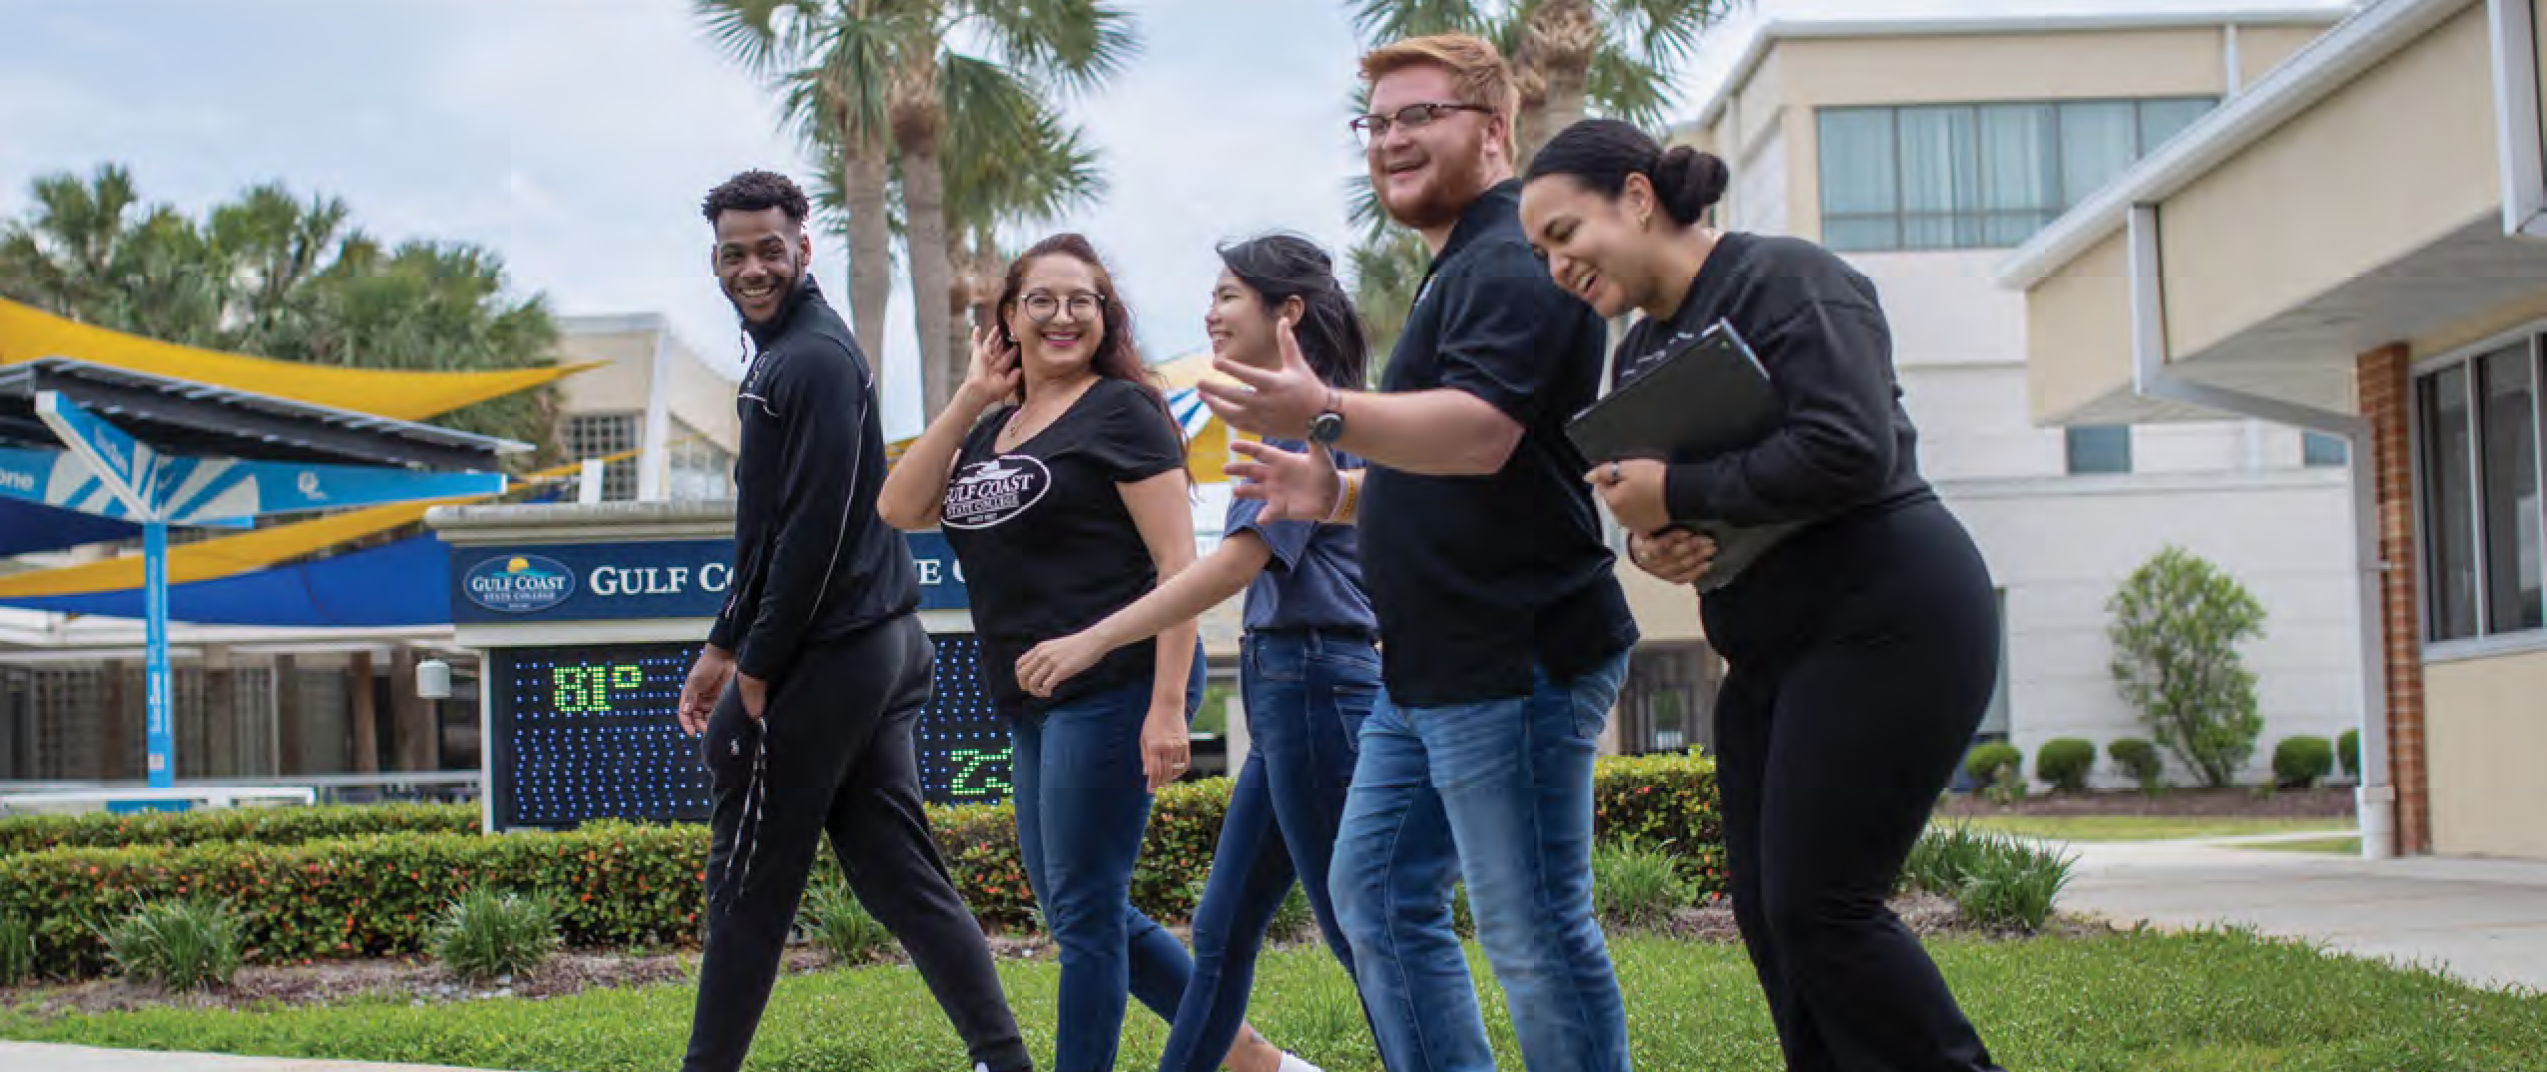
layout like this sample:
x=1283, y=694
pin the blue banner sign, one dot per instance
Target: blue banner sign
x=649, y=579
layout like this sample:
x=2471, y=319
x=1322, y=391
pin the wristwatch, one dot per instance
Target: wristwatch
x=1327, y=427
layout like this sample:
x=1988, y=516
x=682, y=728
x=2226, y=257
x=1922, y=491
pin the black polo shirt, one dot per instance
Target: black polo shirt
x=1478, y=578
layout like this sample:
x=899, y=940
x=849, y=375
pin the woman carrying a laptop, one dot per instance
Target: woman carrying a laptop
x=1862, y=647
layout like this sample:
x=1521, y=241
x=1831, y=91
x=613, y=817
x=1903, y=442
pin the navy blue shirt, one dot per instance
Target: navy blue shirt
x=1314, y=579
x=1479, y=578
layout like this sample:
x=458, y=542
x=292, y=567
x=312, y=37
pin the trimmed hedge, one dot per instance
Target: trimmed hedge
x=2065, y=762
x=618, y=885
x=2299, y=761
x=264, y=826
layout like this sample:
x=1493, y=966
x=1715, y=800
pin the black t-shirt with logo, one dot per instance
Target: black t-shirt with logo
x=1047, y=545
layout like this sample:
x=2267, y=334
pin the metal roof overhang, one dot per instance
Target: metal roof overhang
x=189, y=417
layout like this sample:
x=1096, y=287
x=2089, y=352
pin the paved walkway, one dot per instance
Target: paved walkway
x=2484, y=921
x=33, y=1057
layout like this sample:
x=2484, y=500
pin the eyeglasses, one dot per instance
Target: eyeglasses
x=1041, y=307
x=1372, y=128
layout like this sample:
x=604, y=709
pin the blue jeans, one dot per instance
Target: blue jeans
x=1082, y=806
x=1307, y=695
x=1498, y=793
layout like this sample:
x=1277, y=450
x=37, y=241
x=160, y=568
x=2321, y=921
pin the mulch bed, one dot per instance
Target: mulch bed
x=2187, y=803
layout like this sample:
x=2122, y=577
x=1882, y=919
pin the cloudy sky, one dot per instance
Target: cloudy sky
x=575, y=136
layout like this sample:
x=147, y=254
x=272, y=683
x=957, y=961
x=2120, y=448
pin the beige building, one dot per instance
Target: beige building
x=2353, y=244
x=654, y=395
x=1923, y=150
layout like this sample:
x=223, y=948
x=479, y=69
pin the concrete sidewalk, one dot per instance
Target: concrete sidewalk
x=36, y=1057
x=2483, y=921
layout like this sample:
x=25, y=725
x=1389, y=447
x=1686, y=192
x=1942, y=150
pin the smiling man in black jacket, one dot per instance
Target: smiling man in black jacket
x=816, y=670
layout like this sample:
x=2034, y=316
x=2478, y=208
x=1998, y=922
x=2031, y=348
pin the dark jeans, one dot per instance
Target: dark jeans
x=1083, y=804
x=1307, y=694
x=833, y=753
x=1862, y=658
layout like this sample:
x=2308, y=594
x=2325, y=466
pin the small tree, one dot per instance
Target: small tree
x=2177, y=622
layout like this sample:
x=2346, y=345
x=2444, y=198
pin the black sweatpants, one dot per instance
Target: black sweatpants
x=1861, y=657
x=833, y=753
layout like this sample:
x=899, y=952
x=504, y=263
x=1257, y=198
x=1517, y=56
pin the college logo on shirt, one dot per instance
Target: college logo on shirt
x=987, y=493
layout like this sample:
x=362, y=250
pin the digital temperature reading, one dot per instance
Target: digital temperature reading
x=587, y=732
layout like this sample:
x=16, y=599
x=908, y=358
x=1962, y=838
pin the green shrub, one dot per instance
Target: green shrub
x=262, y=826
x=1635, y=886
x=1997, y=880
x=485, y=934
x=181, y=945
x=620, y=885
x=1667, y=801
x=2139, y=760
x=2065, y=763
x=2348, y=751
x=1984, y=762
x=2299, y=761
x=17, y=950
x=835, y=920
x=2014, y=887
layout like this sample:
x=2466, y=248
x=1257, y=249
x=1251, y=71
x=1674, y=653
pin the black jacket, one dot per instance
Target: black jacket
x=812, y=561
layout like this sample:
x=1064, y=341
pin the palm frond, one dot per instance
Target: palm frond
x=1630, y=89
x=755, y=34
x=1382, y=21
x=1076, y=44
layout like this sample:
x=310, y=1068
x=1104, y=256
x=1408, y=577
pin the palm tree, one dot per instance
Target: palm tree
x=63, y=255
x=890, y=68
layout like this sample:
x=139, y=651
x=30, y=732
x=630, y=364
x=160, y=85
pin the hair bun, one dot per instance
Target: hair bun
x=1690, y=182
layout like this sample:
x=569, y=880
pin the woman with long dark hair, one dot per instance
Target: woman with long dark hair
x=1059, y=478
x=1309, y=672
x=1862, y=648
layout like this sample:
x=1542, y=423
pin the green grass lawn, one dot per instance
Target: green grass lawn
x=2140, y=827
x=2144, y=1002
x=2333, y=846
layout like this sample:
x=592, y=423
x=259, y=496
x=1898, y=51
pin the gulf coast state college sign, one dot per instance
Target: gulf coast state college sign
x=643, y=579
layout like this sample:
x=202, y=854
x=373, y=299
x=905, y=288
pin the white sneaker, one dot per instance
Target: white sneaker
x=1291, y=1063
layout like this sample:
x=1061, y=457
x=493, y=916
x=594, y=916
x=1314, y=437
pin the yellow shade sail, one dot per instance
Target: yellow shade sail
x=27, y=334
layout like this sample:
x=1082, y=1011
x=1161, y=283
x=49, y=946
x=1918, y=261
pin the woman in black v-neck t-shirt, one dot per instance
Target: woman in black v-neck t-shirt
x=1058, y=477
x=1862, y=649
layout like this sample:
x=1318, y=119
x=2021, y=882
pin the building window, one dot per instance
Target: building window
x=600, y=435
x=1978, y=176
x=2317, y=450
x=2099, y=449
x=2476, y=438
x=700, y=469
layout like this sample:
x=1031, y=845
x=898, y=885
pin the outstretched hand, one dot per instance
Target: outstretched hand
x=1294, y=486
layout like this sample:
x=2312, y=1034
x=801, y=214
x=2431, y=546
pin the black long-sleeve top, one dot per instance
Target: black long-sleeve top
x=1845, y=441
x=812, y=560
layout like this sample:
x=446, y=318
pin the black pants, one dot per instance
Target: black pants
x=833, y=753
x=1861, y=657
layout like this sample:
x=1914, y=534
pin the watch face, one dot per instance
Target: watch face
x=1326, y=427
